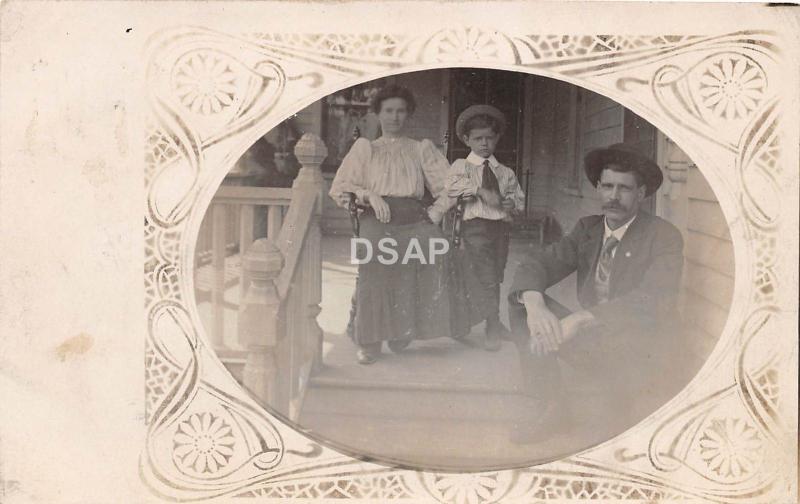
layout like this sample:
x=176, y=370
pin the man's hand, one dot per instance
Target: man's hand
x=544, y=326
x=538, y=346
x=574, y=323
x=380, y=207
x=492, y=198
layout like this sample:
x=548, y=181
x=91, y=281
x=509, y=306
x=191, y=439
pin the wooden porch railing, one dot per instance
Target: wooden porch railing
x=278, y=314
x=237, y=216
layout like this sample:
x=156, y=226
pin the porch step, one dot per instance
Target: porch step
x=411, y=402
x=428, y=443
x=415, y=427
x=439, y=364
x=435, y=411
x=435, y=430
x=408, y=385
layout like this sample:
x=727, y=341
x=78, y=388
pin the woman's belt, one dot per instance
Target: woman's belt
x=403, y=210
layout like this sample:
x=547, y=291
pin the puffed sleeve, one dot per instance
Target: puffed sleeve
x=435, y=169
x=352, y=173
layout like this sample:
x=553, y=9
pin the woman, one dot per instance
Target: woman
x=396, y=302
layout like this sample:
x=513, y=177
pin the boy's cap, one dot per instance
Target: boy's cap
x=475, y=110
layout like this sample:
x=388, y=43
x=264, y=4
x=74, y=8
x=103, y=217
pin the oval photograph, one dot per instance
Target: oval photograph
x=463, y=270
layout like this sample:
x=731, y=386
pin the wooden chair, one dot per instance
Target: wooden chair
x=353, y=207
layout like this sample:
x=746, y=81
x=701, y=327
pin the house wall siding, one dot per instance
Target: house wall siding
x=565, y=193
x=709, y=273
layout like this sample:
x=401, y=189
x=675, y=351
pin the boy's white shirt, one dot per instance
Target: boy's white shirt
x=465, y=178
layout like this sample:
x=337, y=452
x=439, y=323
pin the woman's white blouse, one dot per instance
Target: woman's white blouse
x=400, y=167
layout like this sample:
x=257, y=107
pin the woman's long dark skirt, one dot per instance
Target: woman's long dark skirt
x=401, y=301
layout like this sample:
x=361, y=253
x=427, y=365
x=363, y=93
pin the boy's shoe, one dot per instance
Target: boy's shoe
x=398, y=346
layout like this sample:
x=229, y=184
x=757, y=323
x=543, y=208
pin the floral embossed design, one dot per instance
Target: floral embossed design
x=730, y=447
x=467, y=43
x=613, y=489
x=203, y=443
x=471, y=488
x=732, y=87
x=159, y=375
x=205, y=83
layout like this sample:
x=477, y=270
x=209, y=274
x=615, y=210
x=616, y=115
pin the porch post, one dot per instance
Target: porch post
x=258, y=319
x=311, y=152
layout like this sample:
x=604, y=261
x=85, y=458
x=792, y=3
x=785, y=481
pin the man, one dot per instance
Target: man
x=628, y=266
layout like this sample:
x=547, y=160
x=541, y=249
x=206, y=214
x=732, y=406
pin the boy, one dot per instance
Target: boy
x=491, y=194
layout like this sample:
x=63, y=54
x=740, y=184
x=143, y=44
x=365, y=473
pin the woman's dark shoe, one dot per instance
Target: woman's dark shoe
x=368, y=354
x=366, y=357
x=398, y=346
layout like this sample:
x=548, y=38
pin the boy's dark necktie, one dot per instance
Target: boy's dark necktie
x=489, y=180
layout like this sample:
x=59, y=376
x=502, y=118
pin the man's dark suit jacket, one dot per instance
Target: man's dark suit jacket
x=645, y=272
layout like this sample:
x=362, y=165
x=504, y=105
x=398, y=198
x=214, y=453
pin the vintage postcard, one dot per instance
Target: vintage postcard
x=446, y=252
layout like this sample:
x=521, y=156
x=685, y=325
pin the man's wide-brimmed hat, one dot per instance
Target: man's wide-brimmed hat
x=475, y=110
x=625, y=155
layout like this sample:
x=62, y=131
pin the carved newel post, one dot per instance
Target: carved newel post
x=311, y=152
x=258, y=319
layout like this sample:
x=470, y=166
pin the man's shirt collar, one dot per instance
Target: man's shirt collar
x=617, y=233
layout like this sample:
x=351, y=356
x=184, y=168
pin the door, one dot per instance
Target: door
x=501, y=89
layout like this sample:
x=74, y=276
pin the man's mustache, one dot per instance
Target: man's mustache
x=613, y=206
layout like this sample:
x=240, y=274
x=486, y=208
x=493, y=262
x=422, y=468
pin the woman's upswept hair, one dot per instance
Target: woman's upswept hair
x=393, y=91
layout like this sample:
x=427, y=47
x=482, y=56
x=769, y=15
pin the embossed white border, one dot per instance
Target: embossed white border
x=738, y=394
